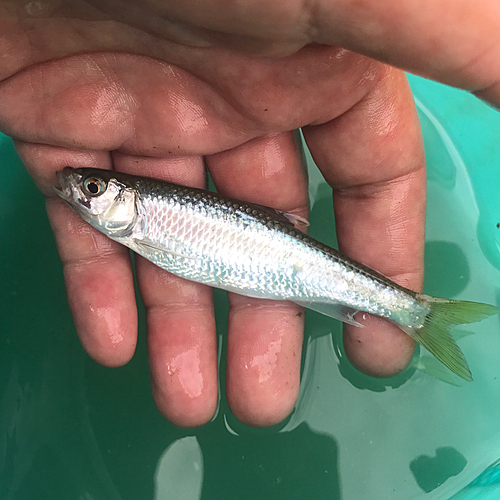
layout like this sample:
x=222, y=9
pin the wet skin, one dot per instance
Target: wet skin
x=160, y=88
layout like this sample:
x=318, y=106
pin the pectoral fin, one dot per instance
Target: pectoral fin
x=147, y=249
x=337, y=311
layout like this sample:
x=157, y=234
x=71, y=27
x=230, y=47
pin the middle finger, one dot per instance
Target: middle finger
x=179, y=314
x=264, y=336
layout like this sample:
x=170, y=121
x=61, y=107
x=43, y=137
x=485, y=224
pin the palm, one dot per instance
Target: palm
x=146, y=104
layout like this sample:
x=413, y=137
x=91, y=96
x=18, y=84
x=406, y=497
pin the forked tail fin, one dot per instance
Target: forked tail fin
x=435, y=334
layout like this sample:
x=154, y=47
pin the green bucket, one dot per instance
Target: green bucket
x=73, y=430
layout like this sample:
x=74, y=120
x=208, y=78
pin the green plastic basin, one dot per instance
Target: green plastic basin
x=73, y=430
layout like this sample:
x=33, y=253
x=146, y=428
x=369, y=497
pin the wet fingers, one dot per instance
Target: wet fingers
x=264, y=337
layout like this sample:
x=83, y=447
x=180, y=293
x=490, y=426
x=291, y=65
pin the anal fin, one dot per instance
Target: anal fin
x=333, y=310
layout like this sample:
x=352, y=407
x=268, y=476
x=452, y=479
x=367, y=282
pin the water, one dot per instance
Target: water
x=70, y=429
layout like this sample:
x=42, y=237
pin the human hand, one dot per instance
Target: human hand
x=155, y=97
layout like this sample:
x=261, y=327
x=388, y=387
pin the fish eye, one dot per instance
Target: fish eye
x=94, y=185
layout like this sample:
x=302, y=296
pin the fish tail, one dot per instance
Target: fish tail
x=435, y=333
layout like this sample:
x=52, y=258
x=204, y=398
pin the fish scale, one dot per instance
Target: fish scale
x=227, y=245
x=256, y=251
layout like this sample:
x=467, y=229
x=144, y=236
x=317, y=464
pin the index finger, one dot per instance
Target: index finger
x=97, y=271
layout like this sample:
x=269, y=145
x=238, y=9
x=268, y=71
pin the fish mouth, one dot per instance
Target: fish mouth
x=67, y=177
x=62, y=194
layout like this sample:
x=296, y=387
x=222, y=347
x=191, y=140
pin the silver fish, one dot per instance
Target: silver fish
x=257, y=251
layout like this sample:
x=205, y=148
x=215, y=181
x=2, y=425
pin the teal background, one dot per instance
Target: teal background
x=71, y=429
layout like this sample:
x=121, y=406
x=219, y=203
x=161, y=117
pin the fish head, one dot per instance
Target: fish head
x=102, y=200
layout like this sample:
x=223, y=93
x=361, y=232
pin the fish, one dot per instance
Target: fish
x=258, y=251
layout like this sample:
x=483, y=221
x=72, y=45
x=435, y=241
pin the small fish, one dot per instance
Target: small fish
x=257, y=251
